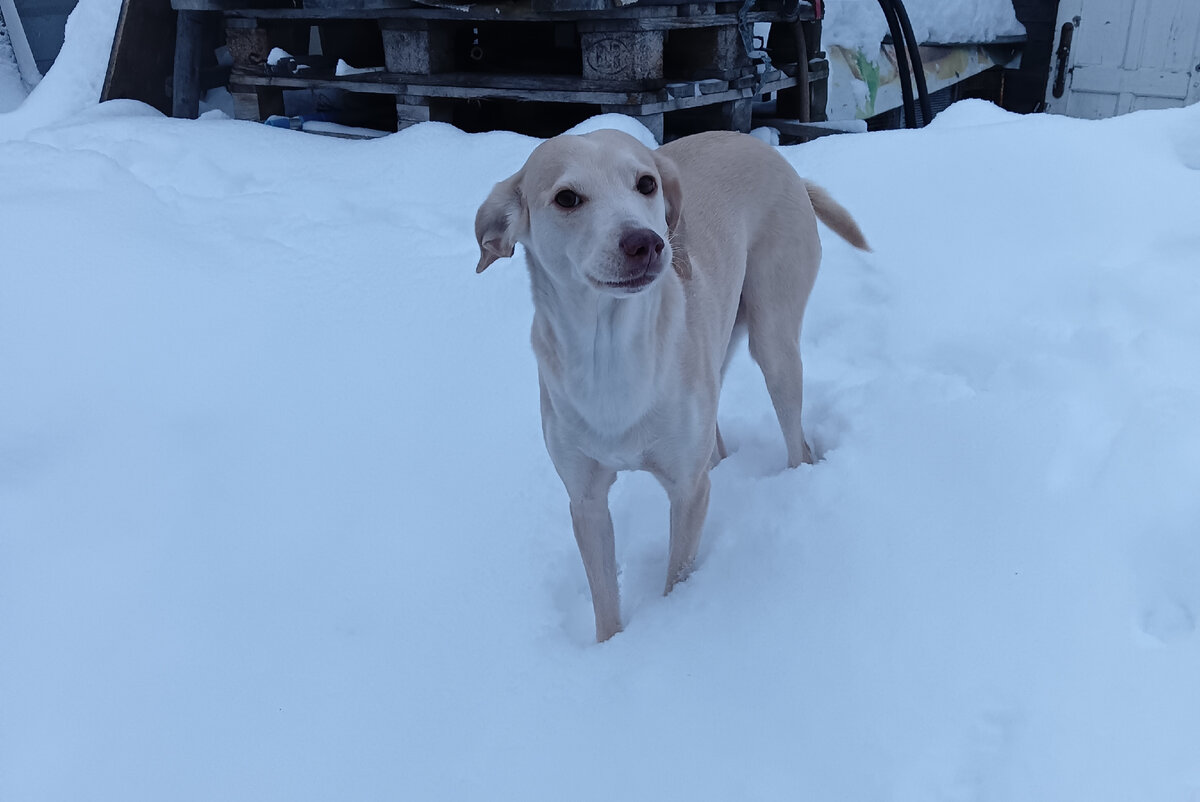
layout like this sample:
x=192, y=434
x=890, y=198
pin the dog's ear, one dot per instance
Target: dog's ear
x=668, y=175
x=672, y=193
x=499, y=221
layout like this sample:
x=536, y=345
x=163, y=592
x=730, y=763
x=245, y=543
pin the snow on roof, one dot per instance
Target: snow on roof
x=860, y=24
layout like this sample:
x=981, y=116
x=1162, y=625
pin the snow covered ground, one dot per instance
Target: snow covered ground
x=276, y=521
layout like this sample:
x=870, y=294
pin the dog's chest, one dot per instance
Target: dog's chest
x=607, y=406
x=626, y=451
x=612, y=400
x=625, y=422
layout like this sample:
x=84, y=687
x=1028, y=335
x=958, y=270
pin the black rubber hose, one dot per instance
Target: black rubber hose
x=906, y=92
x=918, y=68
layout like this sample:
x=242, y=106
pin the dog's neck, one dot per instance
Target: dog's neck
x=602, y=353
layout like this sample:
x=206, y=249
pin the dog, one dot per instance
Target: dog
x=647, y=267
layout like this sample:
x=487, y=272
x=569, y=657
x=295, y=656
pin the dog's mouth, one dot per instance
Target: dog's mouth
x=629, y=284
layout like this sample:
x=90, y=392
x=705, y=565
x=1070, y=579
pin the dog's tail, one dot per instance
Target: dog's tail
x=834, y=215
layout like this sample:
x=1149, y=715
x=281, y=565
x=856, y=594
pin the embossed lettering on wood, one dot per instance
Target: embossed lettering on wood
x=622, y=55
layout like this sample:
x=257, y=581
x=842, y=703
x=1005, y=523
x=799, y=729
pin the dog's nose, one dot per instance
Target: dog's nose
x=641, y=247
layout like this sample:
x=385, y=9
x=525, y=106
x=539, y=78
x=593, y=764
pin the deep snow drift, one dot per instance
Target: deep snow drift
x=276, y=521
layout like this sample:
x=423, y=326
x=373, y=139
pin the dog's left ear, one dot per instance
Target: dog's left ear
x=668, y=175
x=499, y=222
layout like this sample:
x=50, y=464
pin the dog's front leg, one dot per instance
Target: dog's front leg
x=689, y=506
x=594, y=535
x=587, y=483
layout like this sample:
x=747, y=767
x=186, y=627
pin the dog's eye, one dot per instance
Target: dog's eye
x=646, y=185
x=568, y=199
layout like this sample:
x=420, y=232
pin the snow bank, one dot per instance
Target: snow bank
x=276, y=521
x=860, y=24
x=75, y=81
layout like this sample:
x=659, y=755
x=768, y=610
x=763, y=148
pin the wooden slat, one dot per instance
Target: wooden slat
x=676, y=104
x=635, y=17
x=556, y=89
x=553, y=89
x=556, y=83
x=799, y=130
x=356, y=8
x=141, y=61
x=612, y=21
x=189, y=33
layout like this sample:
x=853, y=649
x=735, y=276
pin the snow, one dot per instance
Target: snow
x=276, y=521
x=74, y=82
x=12, y=89
x=860, y=24
x=343, y=68
x=336, y=129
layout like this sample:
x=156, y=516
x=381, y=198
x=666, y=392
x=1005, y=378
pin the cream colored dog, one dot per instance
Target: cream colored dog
x=646, y=266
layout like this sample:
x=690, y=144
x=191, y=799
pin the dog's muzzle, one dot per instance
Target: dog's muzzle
x=642, y=250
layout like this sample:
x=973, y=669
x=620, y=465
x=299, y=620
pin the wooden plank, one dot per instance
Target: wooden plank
x=189, y=34
x=551, y=89
x=641, y=16
x=1144, y=83
x=396, y=83
x=363, y=82
x=654, y=121
x=416, y=47
x=410, y=111
x=799, y=130
x=226, y=5
x=676, y=104
x=708, y=52
x=245, y=103
x=573, y=5
x=142, y=59
x=676, y=23
x=737, y=115
x=460, y=87
x=612, y=21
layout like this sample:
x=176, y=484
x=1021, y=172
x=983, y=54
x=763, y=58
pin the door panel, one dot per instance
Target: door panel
x=1125, y=55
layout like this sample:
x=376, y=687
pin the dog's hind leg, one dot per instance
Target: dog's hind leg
x=779, y=359
x=720, y=452
x=775, y=310
x=735, y=340
x=780, y=274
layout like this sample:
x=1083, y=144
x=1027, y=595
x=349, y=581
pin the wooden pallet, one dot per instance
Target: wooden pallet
x=647, y=60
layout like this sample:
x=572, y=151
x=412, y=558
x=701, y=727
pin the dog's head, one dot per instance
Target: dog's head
x=601, y=208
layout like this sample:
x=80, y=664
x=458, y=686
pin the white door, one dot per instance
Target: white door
x=1115, y=56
